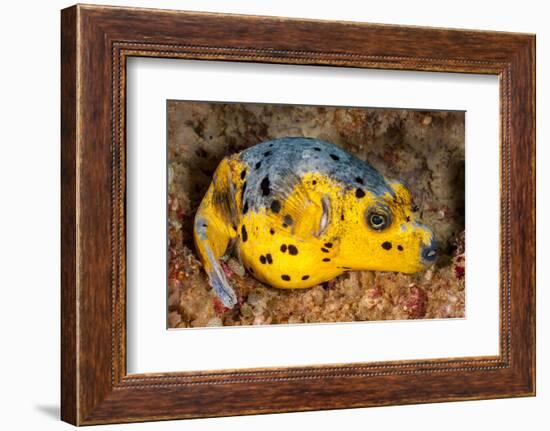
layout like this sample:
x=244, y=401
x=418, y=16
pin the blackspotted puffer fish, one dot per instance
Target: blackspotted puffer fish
x=298, y=212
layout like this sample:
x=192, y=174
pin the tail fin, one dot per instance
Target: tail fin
x=219, y=282
x=213, y=231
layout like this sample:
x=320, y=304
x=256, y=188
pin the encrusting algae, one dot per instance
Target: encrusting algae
x=283, y=220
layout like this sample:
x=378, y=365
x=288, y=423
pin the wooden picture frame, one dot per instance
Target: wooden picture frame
x=96, y=41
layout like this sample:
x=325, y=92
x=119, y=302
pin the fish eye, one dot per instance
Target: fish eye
x=378, y=220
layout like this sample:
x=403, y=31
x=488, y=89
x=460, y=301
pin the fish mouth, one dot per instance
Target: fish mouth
x=429, y=253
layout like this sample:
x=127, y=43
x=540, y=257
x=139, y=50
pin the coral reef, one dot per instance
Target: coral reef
x=424, y=148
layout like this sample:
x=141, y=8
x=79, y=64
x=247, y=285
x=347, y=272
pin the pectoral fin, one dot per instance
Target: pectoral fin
x=292, y=207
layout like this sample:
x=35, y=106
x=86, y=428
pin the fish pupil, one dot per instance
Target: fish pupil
x=377, y=220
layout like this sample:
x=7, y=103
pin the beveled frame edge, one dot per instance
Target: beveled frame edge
x=96, y=41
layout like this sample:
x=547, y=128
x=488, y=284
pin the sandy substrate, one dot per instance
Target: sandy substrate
x=426, y=149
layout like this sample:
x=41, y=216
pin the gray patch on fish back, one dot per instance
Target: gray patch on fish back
x=284, y=162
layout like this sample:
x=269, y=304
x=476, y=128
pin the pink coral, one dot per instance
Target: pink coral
x=416, y=303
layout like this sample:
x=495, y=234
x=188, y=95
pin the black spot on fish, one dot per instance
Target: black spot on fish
x=275, y=206
x=288, y=220
x=283, y=248
x=334, y=157
x=262, y=259
x=243, y=174
x=265, y=186
x=245, y=207
x=257, y=165
x=272, y=231
x=305, y=277
x=244, y=233
x=285, y=277
x=267, y=154
x=386, y=245
x=342, y=217
x=204, y=225
x=316, y=148
x=408, y=218
x=269, y=258
x=326, y=259
x=324, y=250
x=314, y=182
x=292, y=250
x=400, y=247
x=359, y=180
x=328, y=244
x=359, y=193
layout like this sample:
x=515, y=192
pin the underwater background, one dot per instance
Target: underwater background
x=424, y=148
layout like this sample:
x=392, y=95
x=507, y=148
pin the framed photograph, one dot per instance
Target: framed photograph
x=322, y=214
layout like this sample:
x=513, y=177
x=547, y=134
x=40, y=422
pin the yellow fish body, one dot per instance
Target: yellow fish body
x=300, y=212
